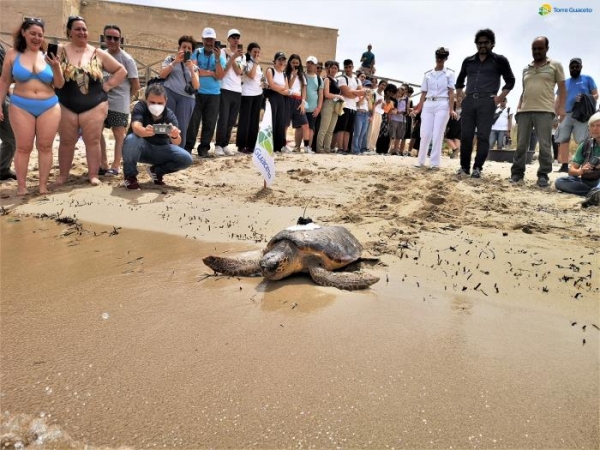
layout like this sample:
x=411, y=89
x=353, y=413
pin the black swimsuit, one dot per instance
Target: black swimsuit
x=82, y=90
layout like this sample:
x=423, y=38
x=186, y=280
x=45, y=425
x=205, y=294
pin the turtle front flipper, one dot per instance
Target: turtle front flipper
x=234, y=266
x=349, y=281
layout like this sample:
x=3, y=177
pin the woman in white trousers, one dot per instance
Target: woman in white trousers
x=436, y=106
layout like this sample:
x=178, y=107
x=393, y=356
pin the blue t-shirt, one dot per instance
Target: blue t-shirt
x=312, y=92
x=209, y=85
x=575, y=86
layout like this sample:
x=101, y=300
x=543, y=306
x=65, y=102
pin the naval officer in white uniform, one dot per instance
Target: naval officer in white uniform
x=436, y=106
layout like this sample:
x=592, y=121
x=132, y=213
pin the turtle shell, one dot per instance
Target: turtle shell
x=336, y=246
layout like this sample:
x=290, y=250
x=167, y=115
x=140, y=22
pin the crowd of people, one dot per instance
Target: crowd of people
x=209, y=88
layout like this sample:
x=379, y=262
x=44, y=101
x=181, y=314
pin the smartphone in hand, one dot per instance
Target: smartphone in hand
x=186, y=56
x=52, y=50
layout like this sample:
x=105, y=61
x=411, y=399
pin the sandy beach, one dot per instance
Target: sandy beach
x=483, y=332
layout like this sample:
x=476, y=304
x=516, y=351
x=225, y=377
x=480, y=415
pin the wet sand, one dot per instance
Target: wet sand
x=122, y=341
x=482, y=333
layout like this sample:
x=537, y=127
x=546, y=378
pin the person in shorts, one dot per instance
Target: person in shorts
x=119, y=100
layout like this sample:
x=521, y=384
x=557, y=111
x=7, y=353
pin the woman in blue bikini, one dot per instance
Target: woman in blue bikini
x=34, y=108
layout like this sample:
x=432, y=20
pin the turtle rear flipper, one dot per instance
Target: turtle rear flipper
x=349, y=281
x=234, y=266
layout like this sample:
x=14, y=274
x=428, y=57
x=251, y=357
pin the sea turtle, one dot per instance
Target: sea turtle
x=318, y=250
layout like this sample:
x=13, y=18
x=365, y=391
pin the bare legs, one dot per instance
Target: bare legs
x=119, y=135
x=91, y=123
x=28, y=128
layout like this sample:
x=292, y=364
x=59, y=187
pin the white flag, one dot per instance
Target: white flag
x=263, y=157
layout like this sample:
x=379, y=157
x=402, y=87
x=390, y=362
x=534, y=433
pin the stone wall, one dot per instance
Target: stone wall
x=152, y=33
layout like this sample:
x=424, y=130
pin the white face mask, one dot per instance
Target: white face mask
x=156, y=110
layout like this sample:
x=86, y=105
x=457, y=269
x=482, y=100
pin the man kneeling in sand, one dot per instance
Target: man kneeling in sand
x=153, y=138
x=584, y=172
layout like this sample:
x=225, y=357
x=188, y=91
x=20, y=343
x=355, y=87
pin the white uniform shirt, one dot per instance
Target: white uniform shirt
x=379, y=108
x=436, y=83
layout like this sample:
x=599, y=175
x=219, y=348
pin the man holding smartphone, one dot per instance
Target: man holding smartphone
x=119, y=99
x=231, y=93
x=152, y=144
x=210, y=61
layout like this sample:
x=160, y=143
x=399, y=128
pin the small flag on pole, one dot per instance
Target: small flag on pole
x=263, y=157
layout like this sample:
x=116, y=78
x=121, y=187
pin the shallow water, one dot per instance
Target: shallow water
x=123, y=341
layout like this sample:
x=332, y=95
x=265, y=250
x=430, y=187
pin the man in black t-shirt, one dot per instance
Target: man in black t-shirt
x=149, y=143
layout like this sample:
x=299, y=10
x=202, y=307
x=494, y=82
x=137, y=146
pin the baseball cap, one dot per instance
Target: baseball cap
x=279, y=55
x=312, y=59
x=575, y=60
x=209, y=33
x=367, y=83
x=233, y=32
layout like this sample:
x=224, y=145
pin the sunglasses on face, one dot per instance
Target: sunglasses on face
x=319, y=67
x=112, y=38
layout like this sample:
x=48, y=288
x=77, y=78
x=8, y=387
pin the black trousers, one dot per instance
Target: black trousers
x=229, y=107
x=477, y=113
x=206, y=112
x=280, y=109
x=248, y=123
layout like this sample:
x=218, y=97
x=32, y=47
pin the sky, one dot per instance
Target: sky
x=405, y=33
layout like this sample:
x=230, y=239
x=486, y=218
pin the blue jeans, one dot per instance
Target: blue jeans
x=497, y=136
x=167, y=158
x=575, y=185
x=361, y=126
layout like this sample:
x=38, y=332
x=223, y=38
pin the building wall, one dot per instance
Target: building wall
x=160, y=28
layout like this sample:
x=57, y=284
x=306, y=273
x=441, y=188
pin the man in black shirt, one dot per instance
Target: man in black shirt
x=483, y=71
x=152, y=144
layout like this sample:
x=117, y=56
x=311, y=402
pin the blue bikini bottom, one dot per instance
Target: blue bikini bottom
x=34, y=106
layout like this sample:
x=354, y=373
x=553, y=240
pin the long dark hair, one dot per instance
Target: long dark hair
x=19, y=42
x=251, y=46
x=289, y=68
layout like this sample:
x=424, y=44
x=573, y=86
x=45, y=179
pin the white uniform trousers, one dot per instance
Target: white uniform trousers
x=434, y=117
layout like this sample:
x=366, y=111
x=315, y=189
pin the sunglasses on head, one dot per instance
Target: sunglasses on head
x=112, y=38
x=33, y=21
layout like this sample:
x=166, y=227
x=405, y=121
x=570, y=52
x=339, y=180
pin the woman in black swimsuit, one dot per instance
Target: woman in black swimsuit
x=83, y=98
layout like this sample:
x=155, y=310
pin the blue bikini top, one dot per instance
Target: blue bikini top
x=21, y=74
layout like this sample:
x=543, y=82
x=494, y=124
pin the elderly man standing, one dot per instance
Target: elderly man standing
x=119, y=100
x=577, y=86
x=483, y=71
x=536, y=109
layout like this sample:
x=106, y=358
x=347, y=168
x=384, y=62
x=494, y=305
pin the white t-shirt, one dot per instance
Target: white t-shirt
x=232, y=81
x=502, y=123
x=252, y=86
x=278, y=77
x=353, y=84
x=297, y=86
x=379, y=108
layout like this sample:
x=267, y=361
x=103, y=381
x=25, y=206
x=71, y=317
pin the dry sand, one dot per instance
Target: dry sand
x=482, y=333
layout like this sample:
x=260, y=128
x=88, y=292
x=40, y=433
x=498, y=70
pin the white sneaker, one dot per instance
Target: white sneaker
x=228, y=151
x=285, y=149
x=308, y=150
x=219, y=151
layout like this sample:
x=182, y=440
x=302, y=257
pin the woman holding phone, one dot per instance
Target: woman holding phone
x=34, y=110
x=181, y=82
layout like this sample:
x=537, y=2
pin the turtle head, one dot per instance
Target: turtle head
x=278, y=262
